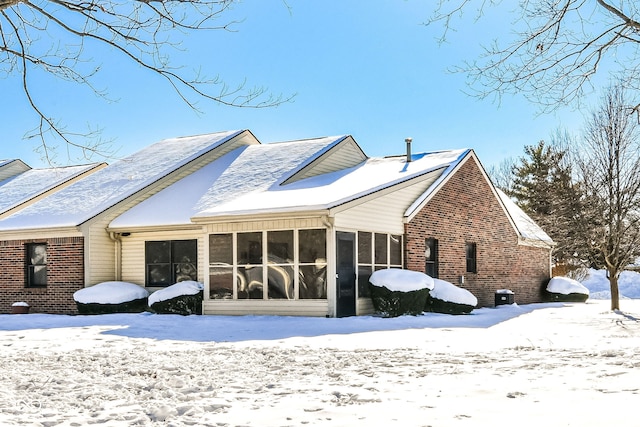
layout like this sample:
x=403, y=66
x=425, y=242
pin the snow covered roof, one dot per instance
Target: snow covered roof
x=336, y=188
x=258, y=179
x=247, y=171
x=96, y=193
x=32, y=183
x=527, y=228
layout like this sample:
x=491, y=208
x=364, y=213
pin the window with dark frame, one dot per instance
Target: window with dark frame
x=36, y=265
x=431, y=257
x=170, y=261
x=471, y=255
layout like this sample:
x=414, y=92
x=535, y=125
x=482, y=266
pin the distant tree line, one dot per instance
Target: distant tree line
x=584, y=190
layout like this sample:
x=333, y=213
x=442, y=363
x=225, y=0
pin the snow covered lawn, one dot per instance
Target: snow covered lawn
x=542, y=364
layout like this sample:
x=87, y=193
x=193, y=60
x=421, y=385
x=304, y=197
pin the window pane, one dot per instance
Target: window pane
x=313, y=281
x=158, y=252
x=364, y=248
x=250, y=248
x=381, y=249
x=185, y=260
x=431, y=257
x=471, y=257
x=250, y=282
x=37, y=254
x=364, y=273
x=159, y=274
x=221, y=282
x=280, y=246
x=280, y=282
x=313, y=246
x=38, y=275
x=221, y=248
x=395, y=247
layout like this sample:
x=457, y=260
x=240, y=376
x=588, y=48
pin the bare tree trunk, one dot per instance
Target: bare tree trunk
x=615, y=294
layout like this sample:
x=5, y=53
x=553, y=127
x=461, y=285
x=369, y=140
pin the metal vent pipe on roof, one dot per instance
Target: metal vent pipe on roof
x=408, y=141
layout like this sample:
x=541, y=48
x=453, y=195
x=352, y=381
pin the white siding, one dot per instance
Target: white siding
x=40, y=234
x=314, y=308
x=12, y=168
x=275, y=224
x=99, y=253
x=345, y=155
x=385, y=212
x=364, y=306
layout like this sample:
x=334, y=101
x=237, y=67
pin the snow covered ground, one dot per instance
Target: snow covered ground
x=541, y=364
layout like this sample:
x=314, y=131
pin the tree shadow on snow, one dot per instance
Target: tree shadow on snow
x=249, y=328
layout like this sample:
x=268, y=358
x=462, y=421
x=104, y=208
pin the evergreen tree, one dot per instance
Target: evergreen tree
x=543, y=188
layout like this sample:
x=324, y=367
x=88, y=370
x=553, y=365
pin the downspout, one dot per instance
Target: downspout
x=117, y=238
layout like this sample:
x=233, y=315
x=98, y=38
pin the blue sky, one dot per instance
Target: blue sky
x=374, y=72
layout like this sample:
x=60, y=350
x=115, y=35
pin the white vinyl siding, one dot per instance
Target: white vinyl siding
x=346, y=155
x=12, y=168
x=275, y=224
x=312, y=308
x=384, y=213
x=364, y=306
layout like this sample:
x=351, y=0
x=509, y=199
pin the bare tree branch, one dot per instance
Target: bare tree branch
x=56, y=37
x=555, y=49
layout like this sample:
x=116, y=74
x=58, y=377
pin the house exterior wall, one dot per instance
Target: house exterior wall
x=133, y=252
x=384, y=212
x=65, y=275
x=465, y=210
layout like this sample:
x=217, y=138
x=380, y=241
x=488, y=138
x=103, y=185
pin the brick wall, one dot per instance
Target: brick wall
x=65, y=275
x=465, y=210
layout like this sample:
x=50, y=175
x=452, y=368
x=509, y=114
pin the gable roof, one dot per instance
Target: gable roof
x=246, y=170
x=31, y=184
x=529, y=231
x=335, y=189
x=84, y=199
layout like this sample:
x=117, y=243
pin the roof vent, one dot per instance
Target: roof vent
x=408, y=141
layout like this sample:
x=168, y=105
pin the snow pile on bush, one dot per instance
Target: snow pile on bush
x=445, y=297
x=111, y=297
x=396, y=292
x=399, y=280
x=565, y=289
x=181, y=298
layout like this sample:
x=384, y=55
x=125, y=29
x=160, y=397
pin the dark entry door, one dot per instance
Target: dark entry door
x=346, y=274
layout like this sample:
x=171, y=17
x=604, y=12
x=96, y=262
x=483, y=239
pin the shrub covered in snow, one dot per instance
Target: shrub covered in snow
x=564, y=289
x=111, y=297
x=182, y=298
x=445, y=297
x=396, y=292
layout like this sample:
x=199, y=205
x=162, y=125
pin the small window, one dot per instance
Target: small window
x=36, y=265
x=471, y=257
x=170, y=261
x=395, y=250
x=381, y=252
x=431, y=257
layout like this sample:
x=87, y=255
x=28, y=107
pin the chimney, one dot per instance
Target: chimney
x=408, y=141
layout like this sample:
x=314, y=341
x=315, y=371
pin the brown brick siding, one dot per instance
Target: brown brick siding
x=465, y=210
x=65, y=275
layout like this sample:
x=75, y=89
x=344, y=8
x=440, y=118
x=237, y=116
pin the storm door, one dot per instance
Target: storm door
x=346, y=274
